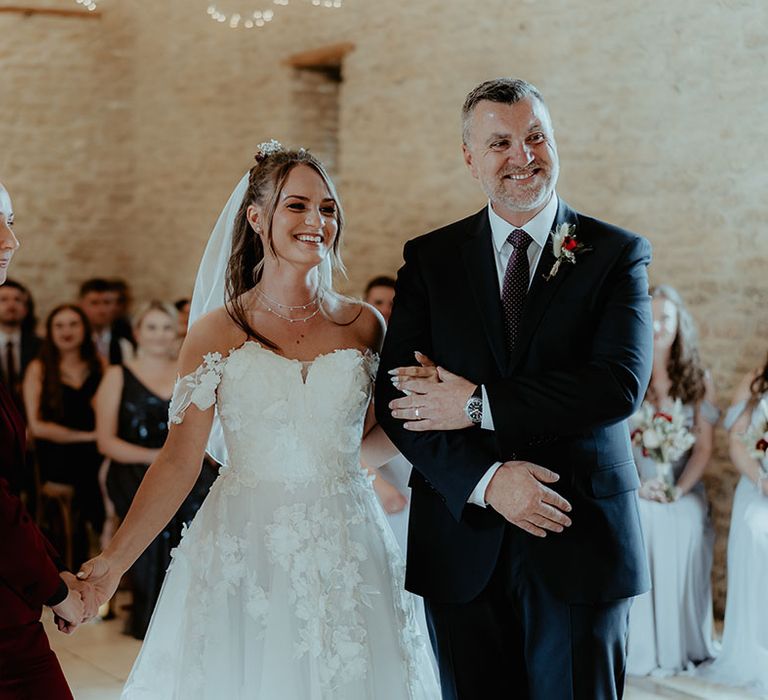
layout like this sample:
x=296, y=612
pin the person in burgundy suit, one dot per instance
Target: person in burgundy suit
x=29, y=566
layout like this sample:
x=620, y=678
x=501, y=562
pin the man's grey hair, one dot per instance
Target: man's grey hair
x=503, y=90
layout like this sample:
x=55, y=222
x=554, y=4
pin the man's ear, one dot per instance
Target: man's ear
x=253, y=214
x=468, y=160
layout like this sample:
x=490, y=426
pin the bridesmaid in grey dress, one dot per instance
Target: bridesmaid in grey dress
x=743, y=660
x=670, y=627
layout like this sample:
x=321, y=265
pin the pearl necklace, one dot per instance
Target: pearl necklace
x=286, y=306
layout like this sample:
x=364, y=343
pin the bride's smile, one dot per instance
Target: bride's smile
x=305, y=223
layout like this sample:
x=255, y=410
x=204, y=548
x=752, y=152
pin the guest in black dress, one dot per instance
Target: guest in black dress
x=58, y=391
x=132, y=424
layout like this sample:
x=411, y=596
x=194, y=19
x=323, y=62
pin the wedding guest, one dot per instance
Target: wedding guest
x=18, y=345
x=670, y=627
x=743, y=660
x=120, y=295
x=122, y=300
x=131, y=425
x=58, y=389
x=182, y=308
x=18, y=341
x=29, y=566
x=390, y=480
x=99, y=300
x=380, y=293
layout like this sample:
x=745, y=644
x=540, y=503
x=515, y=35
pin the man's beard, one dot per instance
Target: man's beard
x=523, y=200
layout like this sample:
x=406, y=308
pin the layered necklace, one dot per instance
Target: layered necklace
x=272, y=305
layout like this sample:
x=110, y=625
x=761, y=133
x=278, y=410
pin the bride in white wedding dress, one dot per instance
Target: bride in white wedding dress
x=288, y=584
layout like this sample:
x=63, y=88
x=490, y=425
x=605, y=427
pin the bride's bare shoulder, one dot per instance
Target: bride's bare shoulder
x=364, y=321
x=213, y=332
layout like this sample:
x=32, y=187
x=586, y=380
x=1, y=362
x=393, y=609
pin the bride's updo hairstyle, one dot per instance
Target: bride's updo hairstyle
x=246, y=263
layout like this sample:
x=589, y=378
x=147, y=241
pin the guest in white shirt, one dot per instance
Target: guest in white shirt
x=98, y=300
x=18, y=342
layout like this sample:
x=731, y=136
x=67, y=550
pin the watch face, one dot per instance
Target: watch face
x=474, y=410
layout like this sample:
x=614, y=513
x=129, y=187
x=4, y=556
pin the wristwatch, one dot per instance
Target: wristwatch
x=474, y=406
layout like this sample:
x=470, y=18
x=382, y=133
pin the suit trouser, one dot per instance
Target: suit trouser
x=29, y=670
x=517, y=641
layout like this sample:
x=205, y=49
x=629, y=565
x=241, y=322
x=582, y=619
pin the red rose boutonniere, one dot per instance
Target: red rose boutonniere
x=565, y=247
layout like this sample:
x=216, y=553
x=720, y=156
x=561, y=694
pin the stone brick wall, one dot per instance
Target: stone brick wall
x=121, y=138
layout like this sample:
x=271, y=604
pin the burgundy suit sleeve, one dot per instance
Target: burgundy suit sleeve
x=26, y=565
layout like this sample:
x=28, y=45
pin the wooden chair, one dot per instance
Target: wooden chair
x=56, y=499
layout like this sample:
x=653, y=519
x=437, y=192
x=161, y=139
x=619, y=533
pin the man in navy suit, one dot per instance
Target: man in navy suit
x=524, y=533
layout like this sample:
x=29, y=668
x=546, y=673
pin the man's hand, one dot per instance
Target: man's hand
x=102, y=577
x=86, y=591
x=69, y=612
x=518, y=492
x=434, y=406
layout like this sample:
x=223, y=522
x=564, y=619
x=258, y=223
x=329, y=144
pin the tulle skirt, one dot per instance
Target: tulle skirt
x=289, y=593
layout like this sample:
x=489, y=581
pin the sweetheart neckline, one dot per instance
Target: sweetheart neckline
x=363, y=353
x=302, y=364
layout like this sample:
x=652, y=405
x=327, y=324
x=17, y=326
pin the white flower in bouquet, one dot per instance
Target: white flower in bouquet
x=651, y=439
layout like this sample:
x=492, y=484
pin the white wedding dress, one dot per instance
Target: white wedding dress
x=288, y=585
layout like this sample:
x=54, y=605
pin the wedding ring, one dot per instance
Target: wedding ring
x=417, y=413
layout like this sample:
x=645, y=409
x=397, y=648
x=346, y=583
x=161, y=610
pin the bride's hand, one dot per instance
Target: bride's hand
x=390, y=498
x=102, y=575
x=402, y=376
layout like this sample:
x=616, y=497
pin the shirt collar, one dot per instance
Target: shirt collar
x=14, y=336
x=538, y=228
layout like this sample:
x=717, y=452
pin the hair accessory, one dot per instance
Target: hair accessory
x=268, y=148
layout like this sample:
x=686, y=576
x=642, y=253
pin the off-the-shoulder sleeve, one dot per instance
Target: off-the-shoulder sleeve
x=733, y=413
x=197, y=388
x=709, y=412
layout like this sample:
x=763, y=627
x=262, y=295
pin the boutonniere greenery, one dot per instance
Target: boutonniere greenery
x=565, y=247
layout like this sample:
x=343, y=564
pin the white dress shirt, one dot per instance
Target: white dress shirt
x=539, y=229
x=15, y=338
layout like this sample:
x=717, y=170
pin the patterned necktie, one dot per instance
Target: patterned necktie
x=516, y=280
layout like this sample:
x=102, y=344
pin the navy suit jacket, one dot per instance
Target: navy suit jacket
x=580, y=367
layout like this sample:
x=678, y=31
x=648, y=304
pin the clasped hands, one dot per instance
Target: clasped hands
x=80, y=605
x=657, y=490
x=434, y=400
x=94, y=585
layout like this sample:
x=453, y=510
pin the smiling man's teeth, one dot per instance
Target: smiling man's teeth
x=311, y=239
x=522, y=176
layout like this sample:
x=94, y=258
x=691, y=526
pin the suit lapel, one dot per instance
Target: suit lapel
x=479, y=259
x=541, y=291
